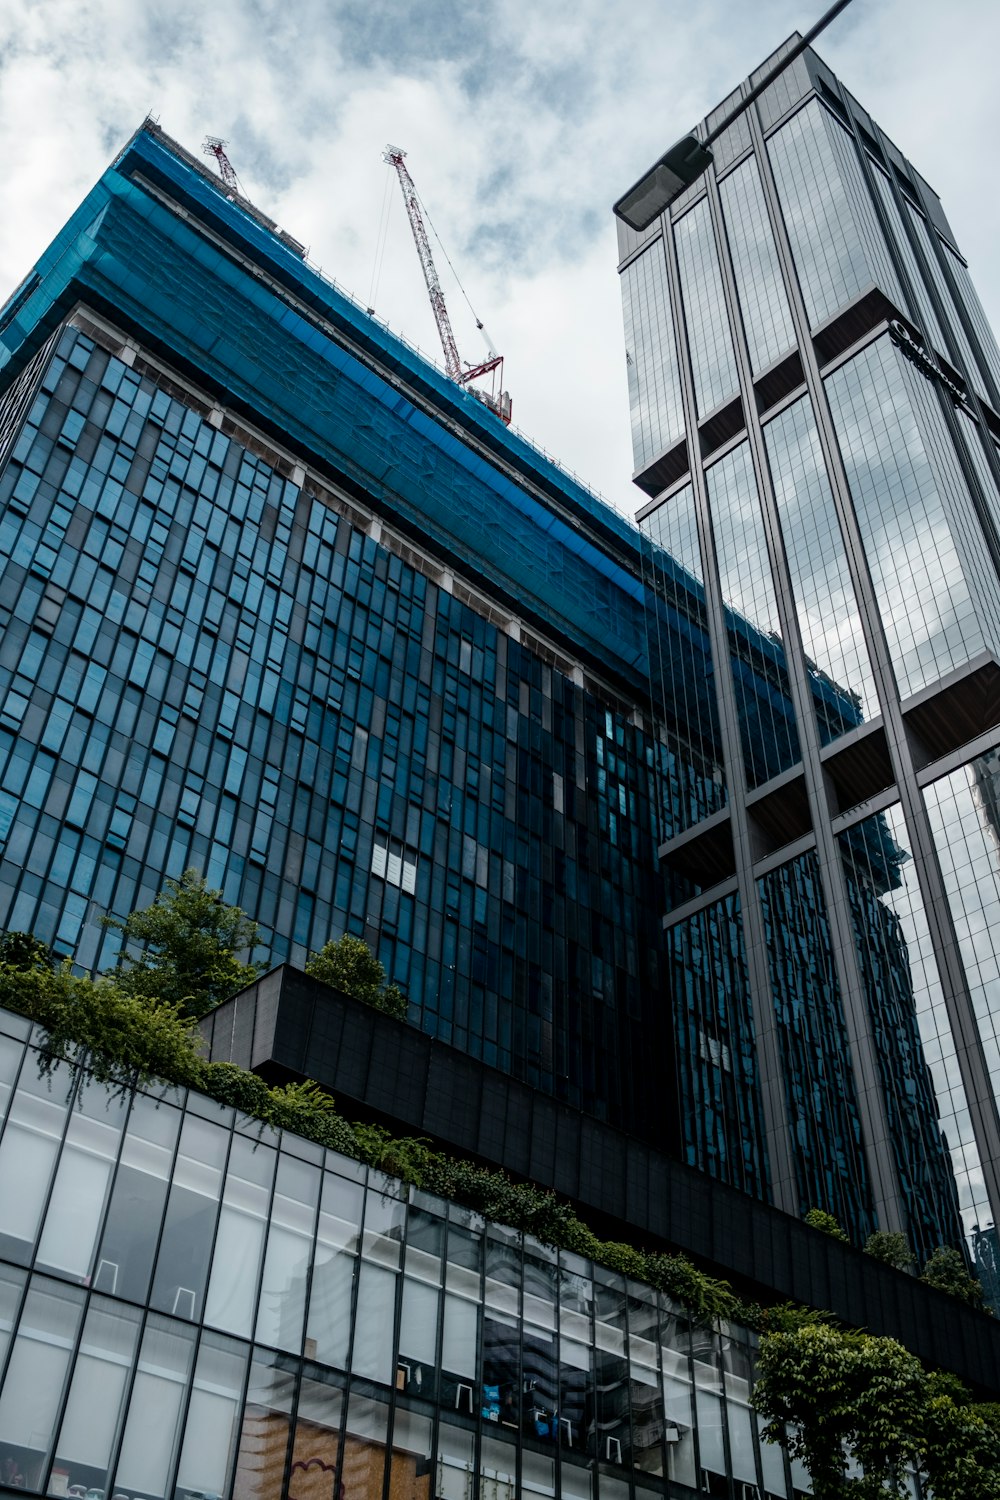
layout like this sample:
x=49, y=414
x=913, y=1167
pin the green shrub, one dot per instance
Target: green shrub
x=348, y=964
x=890, y=1246
x=818, y=1218
x=946, y=1270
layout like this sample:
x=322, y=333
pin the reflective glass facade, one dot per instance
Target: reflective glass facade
x=191, y=1304
x=829, y=935
x=204, y=663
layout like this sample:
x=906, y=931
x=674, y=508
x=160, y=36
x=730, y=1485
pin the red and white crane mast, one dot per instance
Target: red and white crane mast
x=452, y=362
x=214, y=145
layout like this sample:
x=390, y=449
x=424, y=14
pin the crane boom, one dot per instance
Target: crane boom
x=214, y=145
x=452, y=363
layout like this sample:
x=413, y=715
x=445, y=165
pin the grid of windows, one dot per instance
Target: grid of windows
x=243, y=1313
x=820, y=1094
x=710, y=341
x=681, y=667
x=767, y=320
x=964, y=812
x=757, y=656
x=836, y=242
x=937, y=1158
x=930, y=621
x=828, y=614
x=721, y=1113
x=203, y=664
x=924, y=307
x=930, y=243
x=654, y=388
x=973, y=306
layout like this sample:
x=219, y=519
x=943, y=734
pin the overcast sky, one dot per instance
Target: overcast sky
x=523, y=122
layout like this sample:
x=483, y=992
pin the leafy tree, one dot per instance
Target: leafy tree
x=829, y=1395
x=890, y=1246
x=22, y=950
x=190, y=940
x=348, y=964
x=818, y=1218
x=946, y=1269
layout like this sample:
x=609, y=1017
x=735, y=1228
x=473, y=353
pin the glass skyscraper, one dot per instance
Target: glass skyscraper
x=815, y=398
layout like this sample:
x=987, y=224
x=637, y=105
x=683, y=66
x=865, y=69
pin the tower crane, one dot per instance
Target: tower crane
x=462, y=375
x=214, y=145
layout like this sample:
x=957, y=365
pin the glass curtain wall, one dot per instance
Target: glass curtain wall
x=315, y=1328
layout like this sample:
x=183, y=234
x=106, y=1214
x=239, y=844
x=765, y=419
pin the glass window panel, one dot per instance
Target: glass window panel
x=365, y=1447
x=11, y=1054
x=924, y=308
x=760, y=676
x=929, y=1121
x=95, y=1404
x=713, y=361
x=416, y=1368
x=454, y=1464
x=763, y=300
x=838, y=247
x=239, y=1244
x=691, y=777
x=721, y=1110
x=373, y=1342
x=651, y=356
x=820, y=1096
x=28, y=1154
x=826, y=606
x=260, y=1466
x=132, y=1228
x=212, y=1422
x=33, y=1388
x=76, y=1208
x=289, y=1245
x=189, y=1226
x=385, y=1220
x=973, y=306
x=410, y=1477
x=927, y=610
x=772, y=1465
x=317, y=1440
x=153, y=1426
x=929, y=243
x=328, y=1328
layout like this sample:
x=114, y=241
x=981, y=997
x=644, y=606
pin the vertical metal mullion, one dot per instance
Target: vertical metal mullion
x=769, y=1067
x=854, y=1002
x=972, y=1066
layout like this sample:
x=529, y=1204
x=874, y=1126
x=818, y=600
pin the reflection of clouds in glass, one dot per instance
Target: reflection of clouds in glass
x=760, y=678
x=837, y=244
x=927, y=611
x=763, y=302
x=826, y=606
x=713, y=362
x=651, y=356
x=963, y=810
x=896, y=956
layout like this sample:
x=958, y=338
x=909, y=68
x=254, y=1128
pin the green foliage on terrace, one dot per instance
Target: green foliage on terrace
x=348, y=964
x=129, y=1041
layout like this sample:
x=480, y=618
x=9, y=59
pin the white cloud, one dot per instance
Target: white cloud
x=523, y=122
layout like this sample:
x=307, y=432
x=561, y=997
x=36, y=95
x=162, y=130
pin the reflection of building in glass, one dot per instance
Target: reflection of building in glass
x=816, y=410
